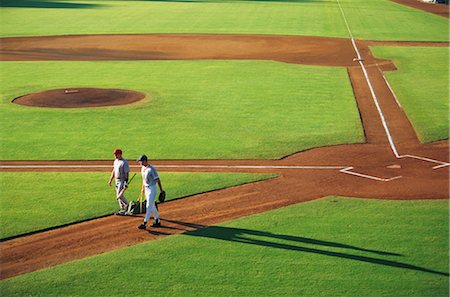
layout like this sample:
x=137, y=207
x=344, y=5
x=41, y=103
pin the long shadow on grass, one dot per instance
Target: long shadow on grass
x=44, y=4
x=260, y=238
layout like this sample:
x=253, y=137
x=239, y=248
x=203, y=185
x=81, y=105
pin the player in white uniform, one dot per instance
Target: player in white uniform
x=149, y=180
x=120, y=172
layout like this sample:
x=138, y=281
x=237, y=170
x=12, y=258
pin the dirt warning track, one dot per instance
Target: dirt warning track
x=438, y=9
x=392, y=164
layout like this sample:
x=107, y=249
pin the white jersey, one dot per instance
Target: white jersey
x=121, y=168
x=149, y=175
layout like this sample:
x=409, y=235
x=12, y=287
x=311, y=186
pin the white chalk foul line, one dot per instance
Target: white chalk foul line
x=342, y=169
x=170, y=166
x=375, y=99
x=51, y=166
x=250, y=167
x=347, y=171
x=372, y=92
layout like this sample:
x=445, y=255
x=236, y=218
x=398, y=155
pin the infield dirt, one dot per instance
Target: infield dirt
x=382, y=175
x=290, y=49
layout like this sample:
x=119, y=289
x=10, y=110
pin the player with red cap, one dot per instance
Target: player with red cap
x=120, y=172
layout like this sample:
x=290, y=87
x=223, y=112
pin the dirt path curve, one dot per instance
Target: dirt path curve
x=369, y=170
x=438, y=9
x=291, y=49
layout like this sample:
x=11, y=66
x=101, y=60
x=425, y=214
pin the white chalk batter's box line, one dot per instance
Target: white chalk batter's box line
x=348, y=171
x=441, y=164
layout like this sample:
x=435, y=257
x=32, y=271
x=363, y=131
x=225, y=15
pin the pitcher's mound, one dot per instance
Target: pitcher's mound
x=80, y=97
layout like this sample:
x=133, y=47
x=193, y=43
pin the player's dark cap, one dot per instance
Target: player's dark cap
x=117, y=152
x=142, y=158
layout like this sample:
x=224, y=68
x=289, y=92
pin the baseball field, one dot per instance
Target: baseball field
x=303, y=146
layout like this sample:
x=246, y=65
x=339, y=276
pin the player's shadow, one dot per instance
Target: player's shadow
x=301, y=244
x=45, y=4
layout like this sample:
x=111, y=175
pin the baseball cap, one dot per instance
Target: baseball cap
x=117, y=151
x=142, y=158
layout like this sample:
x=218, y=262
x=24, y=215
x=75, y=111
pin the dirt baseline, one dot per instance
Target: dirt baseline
x=80, y=97
x=379, y=173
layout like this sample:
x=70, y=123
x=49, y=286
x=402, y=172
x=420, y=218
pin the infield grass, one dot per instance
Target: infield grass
x=194, y=110
x=421, y=85
x=373, y=19
x=328, y=247
x=33, y=201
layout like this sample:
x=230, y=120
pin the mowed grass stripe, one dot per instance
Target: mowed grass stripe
x=421, y=85
x=328, y=247
x=194, y=110
x=34, y=201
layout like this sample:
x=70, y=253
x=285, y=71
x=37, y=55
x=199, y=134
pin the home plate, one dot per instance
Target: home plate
x=394, y=166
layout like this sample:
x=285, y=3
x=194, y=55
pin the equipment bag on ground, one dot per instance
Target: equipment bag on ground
x=135, y=208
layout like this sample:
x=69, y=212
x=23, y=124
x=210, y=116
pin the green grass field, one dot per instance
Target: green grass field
x=194, y=110
x=223, y=110
x=386, y=20
x=33, y=201
x=421, y=85
x=329, y=247
x=374, y=19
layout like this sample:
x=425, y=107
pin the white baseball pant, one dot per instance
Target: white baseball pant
x=123, y=202
x=150, y=195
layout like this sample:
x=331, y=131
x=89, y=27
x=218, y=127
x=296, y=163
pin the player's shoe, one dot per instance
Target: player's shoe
x=143, y=225
x=157, y=223
x=121, y=212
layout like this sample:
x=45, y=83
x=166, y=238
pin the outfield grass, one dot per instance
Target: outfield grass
x=194, y=110
x=387, y=20
x=111, y=17
x=329, y=247
x=38, y=200
x=373, y=19
x=421, y=85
